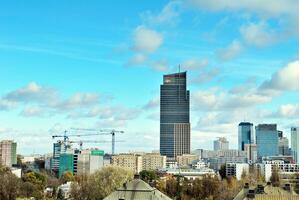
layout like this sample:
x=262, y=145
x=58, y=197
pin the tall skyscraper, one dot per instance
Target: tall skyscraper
x=174, y=115
x=246, y=135
x=283, y=144
x=8, y=153
x=295, y=143
x=221, y=144
x=266, y=140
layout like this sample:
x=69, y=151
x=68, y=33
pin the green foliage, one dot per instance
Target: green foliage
x=9, y=184
x=222, y=171
x=67, y=176
x=148, y=176
x=275, y=180
x=100, y=184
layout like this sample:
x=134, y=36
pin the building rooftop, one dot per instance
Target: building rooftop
x=137, y=190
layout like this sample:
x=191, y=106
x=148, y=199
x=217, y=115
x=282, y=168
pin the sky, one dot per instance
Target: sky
x=95, y=64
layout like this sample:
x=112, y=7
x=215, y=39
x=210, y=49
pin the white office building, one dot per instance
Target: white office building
x=295, y=143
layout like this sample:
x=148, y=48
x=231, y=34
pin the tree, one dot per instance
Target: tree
x=101, y=183
x=67, y=176
x=9, y=184
x=60, y=195
x=148, y=176
x=35, y=183
x=171, y=186
x=222, y=171
x=275, y=180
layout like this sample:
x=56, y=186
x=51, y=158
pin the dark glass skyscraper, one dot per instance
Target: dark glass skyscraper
x=174, y=115
x=246, y=135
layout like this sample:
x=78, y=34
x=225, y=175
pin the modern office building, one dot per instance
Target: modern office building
x=8, y=153
x=283, y=146
x=221, y=144
x=174, y=115
x=58, y=148
x=266, y=140
x=295, y=143
x=245, y=135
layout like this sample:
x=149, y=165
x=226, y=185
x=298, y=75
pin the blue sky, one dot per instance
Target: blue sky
x=99, y=64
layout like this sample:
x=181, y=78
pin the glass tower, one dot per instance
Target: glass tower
x=266, y=140
x=174, y=115
x=246, y=135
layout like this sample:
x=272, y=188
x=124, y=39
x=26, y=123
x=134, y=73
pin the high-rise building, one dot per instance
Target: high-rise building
x=283, y=144
x=221, y=144
x=174, y=115
x=251, y=152
x=246, y=135
x=266, y=140
x=295, y=143
x=89, y=161
x=58, y=148
x=8, y=153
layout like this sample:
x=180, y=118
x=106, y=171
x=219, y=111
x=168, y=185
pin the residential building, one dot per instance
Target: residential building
x=266, y=140
x=8, y=153
x=186, y=160
x=245, y=135
x=295, y=143
x=251, y=152
x=153, y=161
x=137, y=189
x=89, y=161
x=236, y=169
x=174, y=115
x=129, y=161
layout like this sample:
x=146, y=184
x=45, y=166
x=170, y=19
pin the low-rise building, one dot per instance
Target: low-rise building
x=190, y=174
x=237, y=169
x=186, y=160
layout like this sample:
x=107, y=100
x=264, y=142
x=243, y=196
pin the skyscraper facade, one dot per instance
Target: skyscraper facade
x=295, y=143
x=174, y=115
x=246, y=135
x=266, y=140
x=221, y=144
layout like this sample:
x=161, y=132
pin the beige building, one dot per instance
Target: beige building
x=153, y=161
x=186, y=159
x=8, y=153
x=129, y=161
x=89, y=161
x=139, y=161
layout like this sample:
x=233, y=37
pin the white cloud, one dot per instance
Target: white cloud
x=258, y=34
x=146, y=40
x=193, y=63
x=137, y=59
x=285, y=79
x=159, y=65
x=7, y=104
x=78, y=100
x=32, y=92
x=288, y=111
x=32, y=111
x=230, y=52
x=206, y=76
x=168, y=15
x=267, y=8
x=152, y=104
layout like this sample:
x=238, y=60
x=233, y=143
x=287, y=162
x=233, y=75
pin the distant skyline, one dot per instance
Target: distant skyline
x=100, y=64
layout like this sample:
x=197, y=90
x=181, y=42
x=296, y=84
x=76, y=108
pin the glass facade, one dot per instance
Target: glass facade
x=174, y=115
x=246, y=135
x=266, y=140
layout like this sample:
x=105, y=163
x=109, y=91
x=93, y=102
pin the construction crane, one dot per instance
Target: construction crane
x=80, y=142
x=92, y=132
